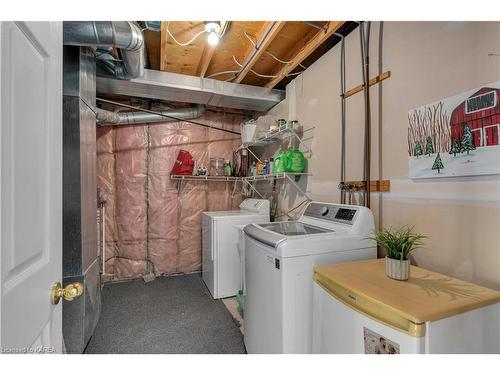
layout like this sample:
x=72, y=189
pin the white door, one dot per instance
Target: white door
x=31, y=185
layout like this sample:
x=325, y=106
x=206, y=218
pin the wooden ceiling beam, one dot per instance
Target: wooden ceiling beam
x=309, y=48
x=163, y=46
x=263, y=42
x=208, y=53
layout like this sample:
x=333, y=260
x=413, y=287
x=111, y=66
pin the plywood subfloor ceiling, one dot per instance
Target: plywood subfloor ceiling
x=297, y=44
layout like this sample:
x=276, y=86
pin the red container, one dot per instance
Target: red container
x=184, y=164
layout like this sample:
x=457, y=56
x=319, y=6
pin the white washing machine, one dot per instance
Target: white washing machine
x=221, y=266
x=279, y=262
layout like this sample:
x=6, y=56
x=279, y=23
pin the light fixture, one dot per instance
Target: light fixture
x=213, y=39
x=212, y=28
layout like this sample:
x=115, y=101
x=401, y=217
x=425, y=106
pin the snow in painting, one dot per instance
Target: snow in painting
x=456, y=136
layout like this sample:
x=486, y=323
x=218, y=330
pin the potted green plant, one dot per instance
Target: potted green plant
x=398, y=243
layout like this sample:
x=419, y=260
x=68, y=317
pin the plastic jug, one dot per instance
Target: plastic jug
x=294, y=161
x=279, y=163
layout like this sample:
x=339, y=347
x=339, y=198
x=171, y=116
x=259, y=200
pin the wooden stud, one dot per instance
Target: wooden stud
x=208, y=53
x=263, y=44
x=152, y=40
x=163, y=46
x=376, y=186
x=309, y=48
x=372, y=82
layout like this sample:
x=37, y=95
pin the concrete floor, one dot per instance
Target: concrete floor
x=168, y=315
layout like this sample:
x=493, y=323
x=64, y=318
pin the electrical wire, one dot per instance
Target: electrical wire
x=271, y=54
x=264, y=75
x=186, y=43
x=224, y=30
x=195, y=36
x=131, y=259
x=253, y=71
x=292, y=209
x=222, y=73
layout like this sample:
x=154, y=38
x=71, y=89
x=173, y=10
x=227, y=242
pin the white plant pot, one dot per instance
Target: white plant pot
x=397, y=269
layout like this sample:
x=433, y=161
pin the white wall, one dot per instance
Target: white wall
x=428, y=61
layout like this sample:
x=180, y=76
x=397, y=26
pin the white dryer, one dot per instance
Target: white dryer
x=221, y=266
x=279, y=262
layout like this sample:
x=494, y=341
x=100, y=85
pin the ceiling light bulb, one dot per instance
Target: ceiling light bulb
x=212, y=27
x=213, y=39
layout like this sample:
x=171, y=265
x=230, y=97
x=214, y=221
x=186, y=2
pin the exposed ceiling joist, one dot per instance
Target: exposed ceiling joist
x=163, y=46
x=263, y=42
x=309, y=48
x=208, y=53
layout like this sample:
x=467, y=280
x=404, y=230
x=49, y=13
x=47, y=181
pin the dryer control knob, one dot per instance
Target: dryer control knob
x=324, y=211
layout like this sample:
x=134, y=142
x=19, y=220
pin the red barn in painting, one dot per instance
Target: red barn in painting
x=481, y=113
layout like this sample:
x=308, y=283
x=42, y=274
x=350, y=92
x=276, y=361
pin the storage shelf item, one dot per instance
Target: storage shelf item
x=276, y=136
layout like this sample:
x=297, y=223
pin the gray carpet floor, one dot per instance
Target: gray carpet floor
x=168, y=315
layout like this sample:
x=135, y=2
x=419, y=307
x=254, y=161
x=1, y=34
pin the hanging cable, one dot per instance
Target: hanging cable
x=265, y=75
x=222, y=73
x=271, y=54
x=253, y=71
x=224, y=30
x=166, y=116
x=187, y=43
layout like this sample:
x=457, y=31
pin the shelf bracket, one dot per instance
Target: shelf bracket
x=291, y=180
x=179, y=187
x=253, y=154
x=234, y=188
x=249, y=184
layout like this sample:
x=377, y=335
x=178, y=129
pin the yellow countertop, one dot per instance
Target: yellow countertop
x=426, y=296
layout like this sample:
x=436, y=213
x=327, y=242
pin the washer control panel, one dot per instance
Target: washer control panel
x=331, y=212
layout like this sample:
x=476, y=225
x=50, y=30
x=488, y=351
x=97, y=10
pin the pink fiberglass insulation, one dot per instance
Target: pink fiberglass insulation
x=150, y=225
x=107, y=184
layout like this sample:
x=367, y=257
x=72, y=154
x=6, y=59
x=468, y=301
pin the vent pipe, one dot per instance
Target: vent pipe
x=126, y=36
x=108, y=118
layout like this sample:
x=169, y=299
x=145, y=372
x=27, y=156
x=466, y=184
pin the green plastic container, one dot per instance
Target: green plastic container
x=294, y=161
x=279, y=163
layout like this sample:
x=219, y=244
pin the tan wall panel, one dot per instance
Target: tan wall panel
x=428, y=61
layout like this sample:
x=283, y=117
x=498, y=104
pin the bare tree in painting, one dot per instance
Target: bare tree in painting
x=430, y=121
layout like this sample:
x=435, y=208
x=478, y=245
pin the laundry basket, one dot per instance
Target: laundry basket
x=248, y=131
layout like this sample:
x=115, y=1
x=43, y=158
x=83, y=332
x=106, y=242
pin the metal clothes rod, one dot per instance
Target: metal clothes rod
x=167, y=116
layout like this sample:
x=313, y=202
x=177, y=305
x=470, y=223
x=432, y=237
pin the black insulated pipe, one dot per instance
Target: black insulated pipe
x=365, y=47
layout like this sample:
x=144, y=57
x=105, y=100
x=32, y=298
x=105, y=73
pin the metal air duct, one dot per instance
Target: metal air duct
x=126, y=36
x=108, y=118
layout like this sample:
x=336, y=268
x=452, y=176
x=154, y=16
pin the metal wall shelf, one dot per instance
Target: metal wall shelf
x=276, y=136
x=248, y=181
x=231, y=178
x=204, y=178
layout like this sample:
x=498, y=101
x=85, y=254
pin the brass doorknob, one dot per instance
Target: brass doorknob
x=69, y=292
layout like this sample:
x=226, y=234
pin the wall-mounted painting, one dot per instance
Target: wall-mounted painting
x=456, y=136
